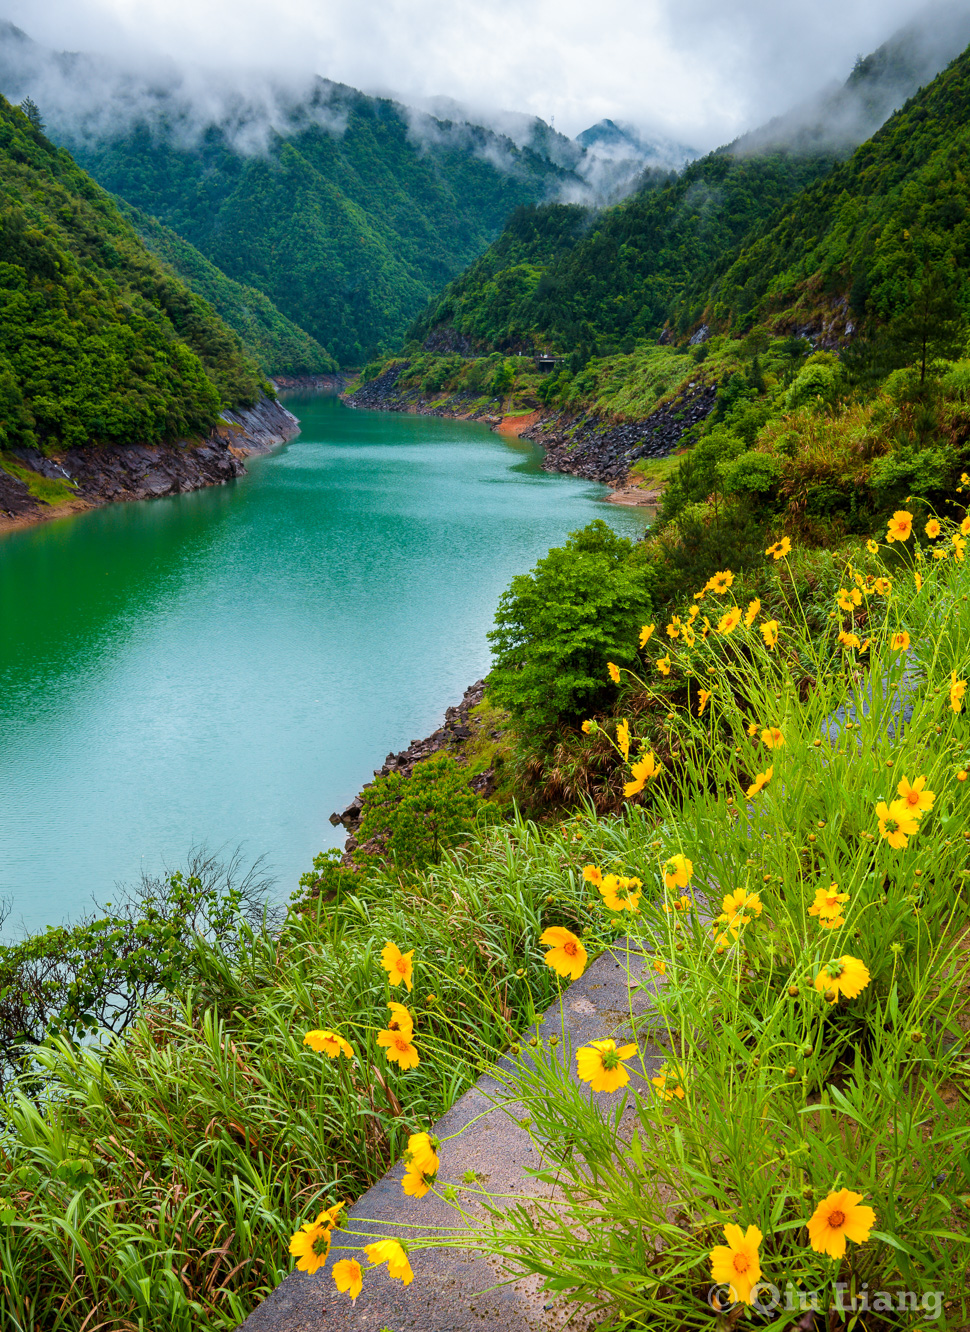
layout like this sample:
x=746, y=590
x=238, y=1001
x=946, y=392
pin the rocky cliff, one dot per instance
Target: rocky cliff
x=143, y=471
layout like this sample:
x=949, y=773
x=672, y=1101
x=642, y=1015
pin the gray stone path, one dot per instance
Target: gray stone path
x=450, y=1292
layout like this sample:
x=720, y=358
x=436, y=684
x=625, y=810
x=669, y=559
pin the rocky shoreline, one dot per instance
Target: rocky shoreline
x=453, y=738
x=145, y=471
x=581, y=444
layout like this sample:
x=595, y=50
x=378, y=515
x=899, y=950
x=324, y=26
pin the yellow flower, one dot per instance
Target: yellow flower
x=965, y=526
x=678, y=872
x=705, y=694
x=328, y=1043
x=663, y=665
x=416, y=1183
x=772, y=738
x=566, y=955
x=882, y=586
x=689, y=636
x=896, y=823
x=400, y=1048
x=844, y=600
x=900, y=641
x=614, y=672
x=620, y=894
x=753, y=729
x=623, y=739
x=900, y=526
x=850, y=640
x=828, y=903
x=399, y=966
x=660, y=966
x=599, y=1064
x=737, y=1264
x=932, y=529
x=737, y=902
x=348, y=1276
x=761, y=780
x=838, y=1218
x=669, y=1083
x=957, y=690
x=392, y=1253
x=586, y=727
x=645, y=768
x=918, y=580
x=939, y=554
x=719, y=582
x=916, y=798
x=769, y=632
x=871, y=547
x=845, y=975
x=780, y=549
x=693, y=613
x=400, y=1020
x=593, y=874
x=729, y=621
x=311, y=1245
x=673, y=628
x=420, y=1154
x=645, y=633
x=752, y=613
x=959, y=546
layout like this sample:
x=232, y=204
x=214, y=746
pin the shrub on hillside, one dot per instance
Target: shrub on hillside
x=419, y=817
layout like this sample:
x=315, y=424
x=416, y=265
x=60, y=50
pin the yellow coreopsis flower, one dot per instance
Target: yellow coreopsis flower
x=614, y=671
x=399, y=966
x=729, y=621
x=900, y=526
x=719, y=582
x=663, y=665
x=392, y=1253
x=916, y=797
x=645, y=634
x=593, y=874
x=678, y=871
x=660, y=966
x=420, y=1154
x=620, y=894
x=673, y=628
x=772, y=738
x=566, y=955
x=828, y=904
x=965, y=526
x=587, y=728
x=734, y=904
x=416, y=1183
x=600, y=1064
x=959, y=548
x=752, y=613
x=643, y=770
x=871, y=547
x=957, y=690
x=896, y=823
x=311, y=1245
x=400, y=1020
x=882, y=586
x=348, y=1277
x=844, y=600
x=918, y=580
x=839, y=1218
x=737, y=1264
x=623, y=739
x=900, y=641
x=702, y=701
x=688, y=635
x=932, y=529
x=780, y=549
x=769, y=632
x=400, y=1048
x=328, y=1043
x=669, y=1083
x=845, y=975
x=850, y=640
x=760, y=782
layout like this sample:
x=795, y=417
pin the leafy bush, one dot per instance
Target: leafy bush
x=417, y=818
x=557, y=627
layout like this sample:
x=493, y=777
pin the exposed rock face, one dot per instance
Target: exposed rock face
x=148, y=471
x=597, y=450
x=382, y=395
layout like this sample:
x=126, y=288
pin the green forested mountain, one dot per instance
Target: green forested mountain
x=274, y=341
x=98, y=341
x=599, y=283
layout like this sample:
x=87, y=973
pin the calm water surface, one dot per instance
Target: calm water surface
x=230, y=666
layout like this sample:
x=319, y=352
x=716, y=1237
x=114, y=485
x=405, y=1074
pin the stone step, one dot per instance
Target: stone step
x=452, y=1292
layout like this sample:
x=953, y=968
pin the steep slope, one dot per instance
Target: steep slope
x=278, y=345
x=624, y=279
x=349, y=212
x=98, y=342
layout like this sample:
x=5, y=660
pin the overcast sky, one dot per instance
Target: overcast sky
x=698, y=70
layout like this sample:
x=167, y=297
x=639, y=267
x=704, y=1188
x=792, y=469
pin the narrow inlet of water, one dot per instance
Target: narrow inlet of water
x=229, y=666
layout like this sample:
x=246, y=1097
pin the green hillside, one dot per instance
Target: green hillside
x=274, y=341
x=349, y=234
x=98, y=342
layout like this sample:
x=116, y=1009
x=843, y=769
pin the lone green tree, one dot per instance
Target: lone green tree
x=32, y=111
x=933, y=325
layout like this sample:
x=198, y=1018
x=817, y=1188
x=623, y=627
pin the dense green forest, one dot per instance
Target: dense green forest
x=98, y=341
x=349, y=234
x=274, y=341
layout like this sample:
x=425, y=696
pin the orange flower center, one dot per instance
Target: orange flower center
x=836, y=1220
x=912, y=797
x=741, y=1263
x=401, y=966
x=569, y=948
x=402, y=1044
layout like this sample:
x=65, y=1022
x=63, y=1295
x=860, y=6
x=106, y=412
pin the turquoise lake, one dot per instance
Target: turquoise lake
x=229, y=666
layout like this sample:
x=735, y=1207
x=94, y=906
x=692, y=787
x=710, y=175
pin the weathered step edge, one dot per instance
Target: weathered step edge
x=452, y=1292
